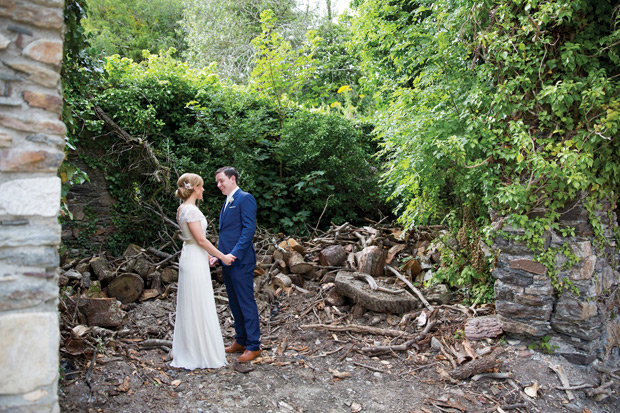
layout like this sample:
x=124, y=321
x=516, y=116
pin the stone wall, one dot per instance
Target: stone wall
x=583, y=320
x=91, y=205
x=31, y=150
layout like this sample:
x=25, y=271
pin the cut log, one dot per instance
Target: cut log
x=296, y=263
x=169, y=275
x=479, y=328
x=333, y=256
x=297, y=279
x=371, y=261
x=126, y=288
x=476, y=367
x=155, y=281
x=136, y=262
x=360, y=292
x=281, y=280
x=102, y=312
x=101, y=268
x=296, y=246
x=264, y=259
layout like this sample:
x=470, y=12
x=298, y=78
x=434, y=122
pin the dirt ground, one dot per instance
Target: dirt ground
x=310, y=369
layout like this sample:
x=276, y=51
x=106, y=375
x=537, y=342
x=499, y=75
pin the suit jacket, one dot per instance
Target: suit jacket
x=237, y=228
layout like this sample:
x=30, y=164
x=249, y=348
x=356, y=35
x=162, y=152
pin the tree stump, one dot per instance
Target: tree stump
x=371, y=261
x=102, y=312
x=359, y=291
x=333, y=256
x=126, y=288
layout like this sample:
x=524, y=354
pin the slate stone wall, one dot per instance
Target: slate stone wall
x=31, y=150
x=584, y=319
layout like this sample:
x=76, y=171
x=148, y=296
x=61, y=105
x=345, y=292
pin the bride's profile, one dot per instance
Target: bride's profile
x=197, y=341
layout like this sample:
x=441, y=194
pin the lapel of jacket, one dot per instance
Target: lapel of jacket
x=222, y=214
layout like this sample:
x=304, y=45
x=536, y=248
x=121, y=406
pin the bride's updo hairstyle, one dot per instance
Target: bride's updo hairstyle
x=186, y=184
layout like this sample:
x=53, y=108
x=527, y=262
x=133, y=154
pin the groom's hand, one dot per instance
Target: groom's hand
x=213, y=261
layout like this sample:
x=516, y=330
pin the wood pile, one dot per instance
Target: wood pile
x=352, y=270
x=353, y=293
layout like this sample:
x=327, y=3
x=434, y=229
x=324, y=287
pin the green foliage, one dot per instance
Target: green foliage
x=503, y=106
x=280, y=72
x=221, y=31
x=78, y=69
x=543, y=345
x=127, y=27
x=296, y=163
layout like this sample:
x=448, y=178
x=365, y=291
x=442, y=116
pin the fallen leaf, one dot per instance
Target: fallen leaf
x=339, y=374
x=175, y=383
x=532, y=390
x=124, y=387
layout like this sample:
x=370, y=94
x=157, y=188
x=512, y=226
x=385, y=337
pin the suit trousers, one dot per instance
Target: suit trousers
x=239, y=281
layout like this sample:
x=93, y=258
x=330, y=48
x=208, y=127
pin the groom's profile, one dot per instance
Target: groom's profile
x=236, y=231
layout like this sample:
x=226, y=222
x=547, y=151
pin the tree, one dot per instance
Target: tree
x=280, y=72
x=221, y=31
x=128, y=27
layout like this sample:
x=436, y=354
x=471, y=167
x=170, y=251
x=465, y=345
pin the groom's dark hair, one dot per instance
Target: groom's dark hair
x=229, y=171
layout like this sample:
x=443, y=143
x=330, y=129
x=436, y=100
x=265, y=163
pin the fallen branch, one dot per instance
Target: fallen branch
x=475, y=367
x=359, y=329
x=415, y=290
x=563, y=379
x=401, y=347
x=366, y=277
x=492, y=376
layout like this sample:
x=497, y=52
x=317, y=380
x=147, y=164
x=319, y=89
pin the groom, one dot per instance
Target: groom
x=236, y=231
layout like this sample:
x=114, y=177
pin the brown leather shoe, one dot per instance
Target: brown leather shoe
x=248, y=355
x=235, y=348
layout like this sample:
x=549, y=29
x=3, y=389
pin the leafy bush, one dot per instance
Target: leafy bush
x=180, y=120
x=509, y=107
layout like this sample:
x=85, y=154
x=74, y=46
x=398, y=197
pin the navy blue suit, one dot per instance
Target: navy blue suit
x=236, y=231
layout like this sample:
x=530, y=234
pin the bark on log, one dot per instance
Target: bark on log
x=296, y=263
x=297, y=279
x=155, y=281
x=361, y=293
x=126, y=288
x=101, y=268
x=333, y=256
x=372, y=260
x=479, y=328
x=476, y=367
x=136, y=261
x=169, y=275
x=102, y=312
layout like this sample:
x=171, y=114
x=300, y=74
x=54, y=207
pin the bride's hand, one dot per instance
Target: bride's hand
x=228, y=259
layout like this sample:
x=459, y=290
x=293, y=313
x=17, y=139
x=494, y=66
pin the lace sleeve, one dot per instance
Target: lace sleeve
x=190, y=213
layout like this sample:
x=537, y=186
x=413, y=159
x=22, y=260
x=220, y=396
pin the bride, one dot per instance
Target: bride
x=197, y=341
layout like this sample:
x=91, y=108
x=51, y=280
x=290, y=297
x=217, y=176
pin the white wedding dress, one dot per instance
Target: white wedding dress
x=198, y=341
